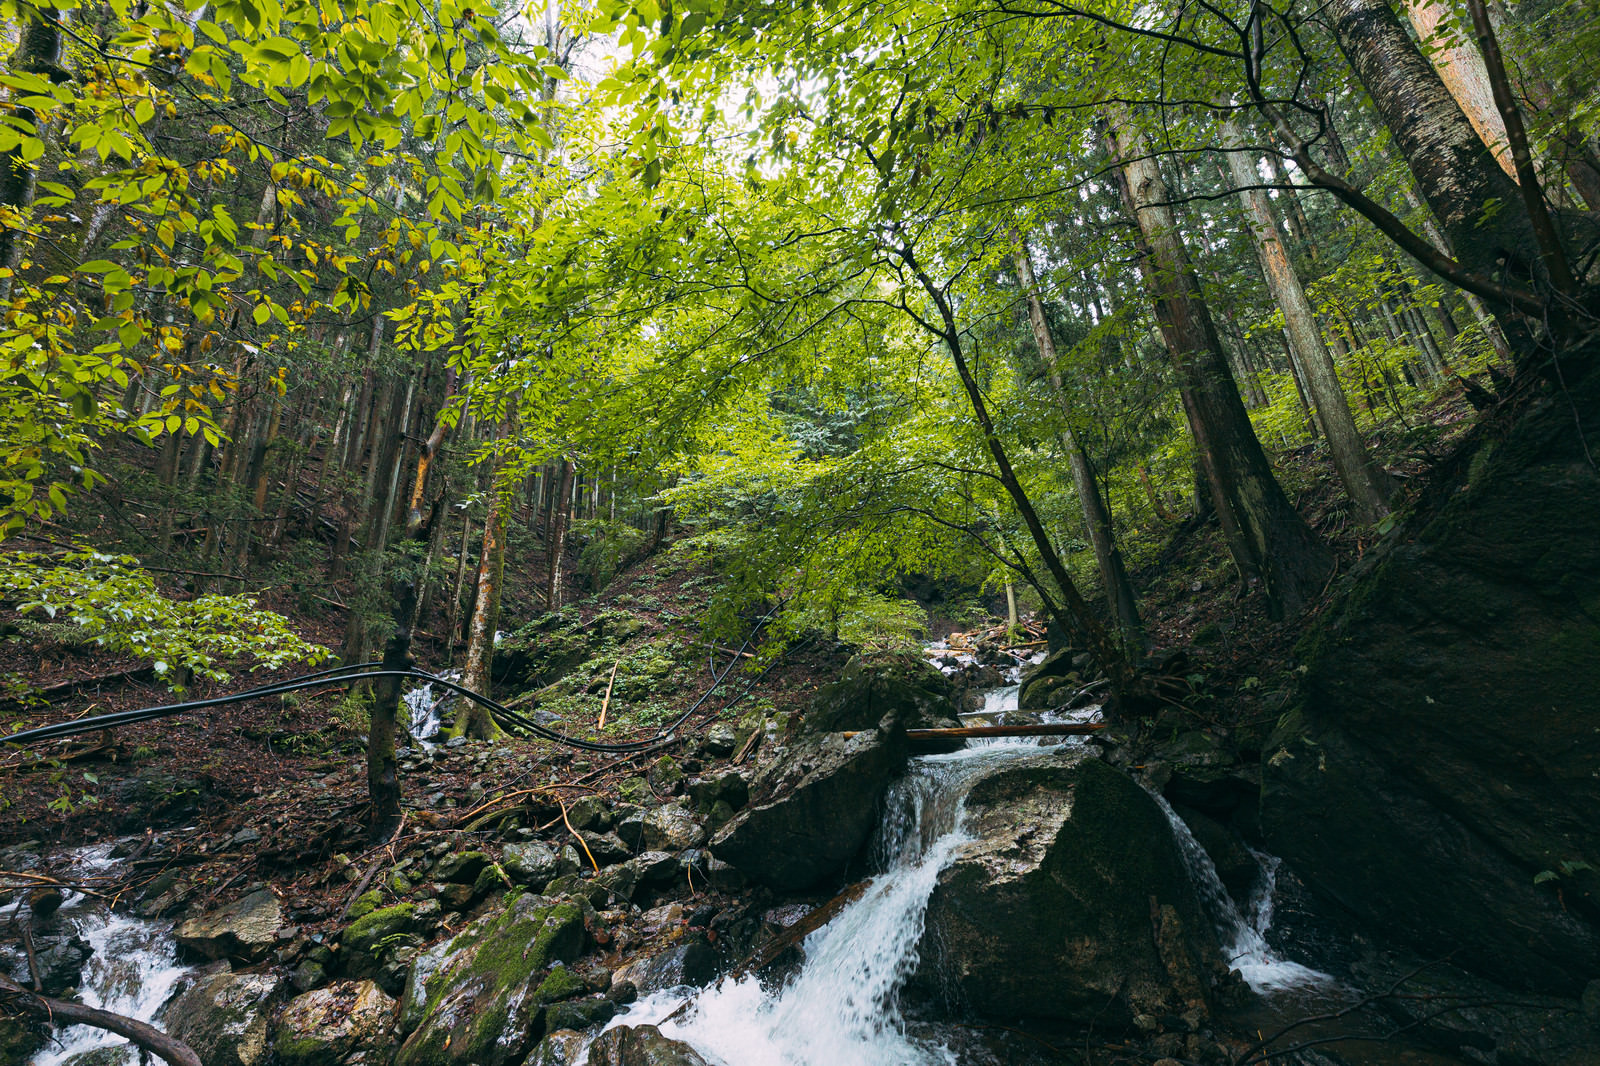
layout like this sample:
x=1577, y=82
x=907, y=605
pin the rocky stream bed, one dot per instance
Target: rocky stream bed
x=839, y=899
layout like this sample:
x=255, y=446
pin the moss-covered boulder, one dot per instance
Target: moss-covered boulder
x=873, y=685
x=327, y=1026
x=1052, y=682
x=1071, y=902
x=478, y=999
x=372, y=939
x=1438, y=779
x=19, y=1039
x=226, y=1017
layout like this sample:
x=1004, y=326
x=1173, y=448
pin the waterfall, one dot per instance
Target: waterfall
x=424, y=719
x=842, y=1008
x=1242, y=933
x=134, y=970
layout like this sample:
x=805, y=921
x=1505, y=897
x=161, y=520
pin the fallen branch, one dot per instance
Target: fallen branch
x=606, y=703
x=140, y=1033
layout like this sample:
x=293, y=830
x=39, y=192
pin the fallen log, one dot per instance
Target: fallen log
x=968, y=732
x=143, y=1034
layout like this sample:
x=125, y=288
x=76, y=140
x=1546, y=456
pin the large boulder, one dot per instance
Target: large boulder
x=1438, y=778
x=871, y=686
x=226, y=1017
x=814, y=809
x=246, y=929
x=1051, y=682
x=480, y=998
x=1070, y=902
x=324, y=1027
x=640, y=1045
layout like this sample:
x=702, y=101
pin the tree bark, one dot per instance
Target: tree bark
x=556, y=536
x=38, y=53
x=383, y=769
x=1455, y=171
x=1268, y=539
x=1462, y=71
x=1366, y=483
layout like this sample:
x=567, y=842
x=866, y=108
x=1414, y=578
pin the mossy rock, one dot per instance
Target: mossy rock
x=369, y=940
x=874, y=685
x=18, y=1040
x=478, y=1000
x=365, y=904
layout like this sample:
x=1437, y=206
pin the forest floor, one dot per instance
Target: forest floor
x=274, y=790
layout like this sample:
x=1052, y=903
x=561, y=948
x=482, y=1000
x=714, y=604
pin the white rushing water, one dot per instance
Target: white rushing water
x=1243, y=933
x=134, y=970
x=425, y=706
x=841, y=1008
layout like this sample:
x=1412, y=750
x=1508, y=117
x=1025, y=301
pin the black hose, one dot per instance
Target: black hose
x=361, y=671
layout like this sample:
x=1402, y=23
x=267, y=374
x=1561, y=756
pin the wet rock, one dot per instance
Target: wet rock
x=226, y=1018
x=530, y=864
x=813, y=810
x=1235, y=865
x=1071, y=902
x=640, y=1045
x=580, y=1013
x=665, y=776
x=44, y=901
x=634, y=790
x=155, y=798
x=656, y=867
x=561, y=1048
x=691, y=961
x=462, y=867
x=670, y=828
x=19, y=1039
x=323, y=1028
x=1051, y=683
x=474, y=1000
x=607, y=848
x=246, y=929
x=1438, y=777
x=367, y=944
x=61, y=955
x=589, y=812
x=618, y=881
x=720, y=740
x=874, y=685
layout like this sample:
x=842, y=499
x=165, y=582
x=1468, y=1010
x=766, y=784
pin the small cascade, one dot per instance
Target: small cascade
x=425, y=708
x=134, y=970
x=843, y=1005
x=1243, y=934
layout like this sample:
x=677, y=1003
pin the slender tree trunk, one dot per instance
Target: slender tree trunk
x=556, y=536
x=1074, y=613
x=383, y=769
x=1120, y=596
x=1365, y=482
x=473, y=720
x=1270, y=542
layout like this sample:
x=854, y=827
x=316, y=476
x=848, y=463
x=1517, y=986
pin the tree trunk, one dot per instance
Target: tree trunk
x=1455, y=171
x=1462, y=71
x=1269, y=540
x=556, y=536
x=1119, y=592
x=1366, y=483
x=473, y=720
x=1126, y=683
x=38, y=53
x=383, y=770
